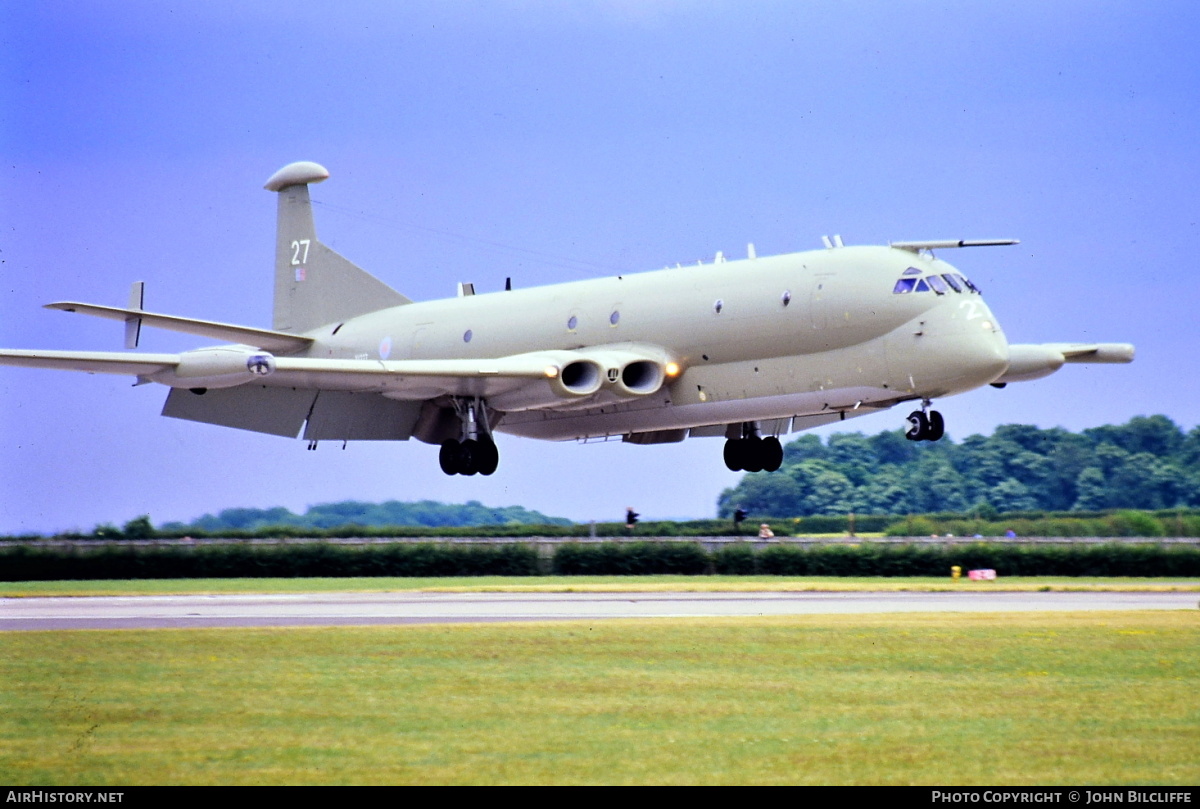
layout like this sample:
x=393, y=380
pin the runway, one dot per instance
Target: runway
x=355, y=609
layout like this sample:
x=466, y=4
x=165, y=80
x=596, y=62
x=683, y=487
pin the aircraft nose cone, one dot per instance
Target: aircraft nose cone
x=985, y=352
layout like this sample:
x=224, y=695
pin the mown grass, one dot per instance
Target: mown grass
x=1072, y=698
x=616, y=584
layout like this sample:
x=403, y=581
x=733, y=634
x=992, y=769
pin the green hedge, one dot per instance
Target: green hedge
x=1008, y=560
x=26, y=563
x=631, y=559
x=1114, y=524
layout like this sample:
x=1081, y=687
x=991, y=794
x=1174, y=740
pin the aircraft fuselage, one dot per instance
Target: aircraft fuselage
x=810, y=333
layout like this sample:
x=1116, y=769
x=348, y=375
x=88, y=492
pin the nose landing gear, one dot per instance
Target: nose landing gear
x=753, y=453
x=925, y=425
x=475, y=453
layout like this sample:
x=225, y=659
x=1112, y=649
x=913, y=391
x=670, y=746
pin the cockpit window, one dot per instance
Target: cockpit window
x=941, y=284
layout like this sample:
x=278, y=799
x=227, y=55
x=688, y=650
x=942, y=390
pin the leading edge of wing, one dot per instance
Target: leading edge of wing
x=247, y=335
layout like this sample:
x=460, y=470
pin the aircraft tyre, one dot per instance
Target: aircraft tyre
x=468, y=459
x=752, y=460
x=753, y=454
x=772, y=454
x=918, y=426
x=937, y=426
x=925, y=427
x=487, y=457
x=733, y=455
x=448, y=457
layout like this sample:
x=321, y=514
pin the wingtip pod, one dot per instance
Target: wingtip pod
x=299, y=173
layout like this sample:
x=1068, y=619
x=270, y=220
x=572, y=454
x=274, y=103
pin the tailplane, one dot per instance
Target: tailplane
x=315, y=286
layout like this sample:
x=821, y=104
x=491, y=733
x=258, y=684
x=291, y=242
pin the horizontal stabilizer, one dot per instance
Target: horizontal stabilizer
x=246, y=335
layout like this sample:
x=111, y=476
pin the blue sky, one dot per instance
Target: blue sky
x=552, y=142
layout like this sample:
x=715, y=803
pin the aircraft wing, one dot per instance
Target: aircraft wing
x=92, y=362
x=260, y=338
x=538, y=375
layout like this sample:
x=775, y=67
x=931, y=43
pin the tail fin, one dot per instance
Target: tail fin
x=314, y=285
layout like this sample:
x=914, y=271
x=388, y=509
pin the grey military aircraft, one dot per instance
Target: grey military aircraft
x=747, y=350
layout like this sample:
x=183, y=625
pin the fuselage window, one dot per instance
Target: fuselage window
x=614, y=318
x=572, y=322
x=904, y=286
x=939, y=286
x=953, y=282
x=467, y=335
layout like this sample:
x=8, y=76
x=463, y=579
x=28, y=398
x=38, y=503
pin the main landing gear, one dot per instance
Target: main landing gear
x=753, y=453
x=925, y=425
x=474, y=453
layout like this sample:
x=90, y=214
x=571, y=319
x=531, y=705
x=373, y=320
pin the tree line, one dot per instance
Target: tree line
x=1147, y=463
x=427, y=513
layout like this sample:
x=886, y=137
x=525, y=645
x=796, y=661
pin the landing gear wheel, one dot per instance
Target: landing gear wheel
x=733, y=455
x=468, y=459
x=752, y=454
x=918, y=426
x=937, y=426
x=772, y=454
x=448, y=457
x=487, y=457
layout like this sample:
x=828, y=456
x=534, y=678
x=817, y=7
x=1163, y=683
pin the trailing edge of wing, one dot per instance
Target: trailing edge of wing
x=259, y=338
x=94, y=362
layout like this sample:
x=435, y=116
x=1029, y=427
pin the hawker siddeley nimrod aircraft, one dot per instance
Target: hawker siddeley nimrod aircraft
x=746, y=350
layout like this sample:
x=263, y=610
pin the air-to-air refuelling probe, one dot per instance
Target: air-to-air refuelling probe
x=746, y=350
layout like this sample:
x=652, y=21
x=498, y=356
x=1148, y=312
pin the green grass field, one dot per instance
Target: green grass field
x=23, y=589
x=1011, y=699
